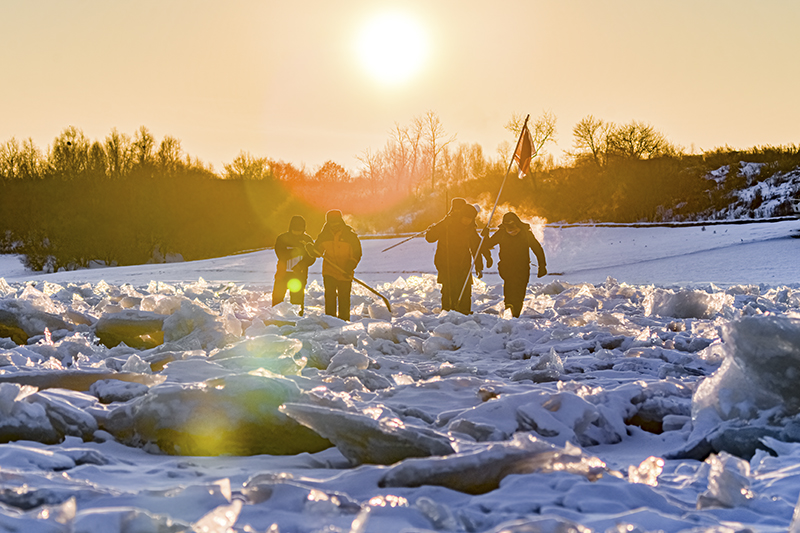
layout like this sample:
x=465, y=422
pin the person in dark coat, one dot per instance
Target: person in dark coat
x=340, y=249
x=457, y=241
x=293, y=262
x=516, y=240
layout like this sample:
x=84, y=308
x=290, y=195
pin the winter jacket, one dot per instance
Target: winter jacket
x=456, y=244
x=342, y=249
x=515, y=258
x=292, y=253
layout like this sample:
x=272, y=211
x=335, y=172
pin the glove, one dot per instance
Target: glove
x=542, y=271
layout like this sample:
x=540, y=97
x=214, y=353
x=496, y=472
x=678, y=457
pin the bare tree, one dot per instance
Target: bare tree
x=373, y=166
x=637, y=140
x=433, y=134
x=69, y=154
x=247, y=167
x=332, y=172
x=169, y=156
x=143, y=147
x=31, y=162
x=98, y=161
x=590, y=139
x=9, y=159
x=118, y=153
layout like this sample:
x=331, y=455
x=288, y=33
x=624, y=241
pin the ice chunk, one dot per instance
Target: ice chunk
x=102, y=520
x=685, y=303
x=731, y=394
x=136, y=364
x=647, y=472
x=364, y=439
x=232, y=415
x=728, y=483
x=67, y=411
x=272, y=352
x=349, y=357
x=20, y=319
x=114, y=390
x=434, y=344
x=23, y=420
x=20, y=457
x=220, y=520
x=379, y=312
x=439, y=514
x=194, y=324
x=767, y=348
x=482, y=469
x=381, y=330
x=137, y=329
x=562, y=417
x=161, y=304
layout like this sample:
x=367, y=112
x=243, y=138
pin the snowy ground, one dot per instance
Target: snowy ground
x=648, y=386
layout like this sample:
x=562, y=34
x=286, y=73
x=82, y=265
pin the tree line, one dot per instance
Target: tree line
x=130, y=199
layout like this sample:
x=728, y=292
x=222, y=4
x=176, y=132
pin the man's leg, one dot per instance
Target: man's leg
x=344, y=299
x=330, y=295
x=465, y=303
x=514, y=294
x=447, y=296
x=279, y=288
x=298, y=297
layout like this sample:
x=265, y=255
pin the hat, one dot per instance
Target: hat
x=469, y=211
x=297, y=223
x=333, y=216
x=511, y=218
x=457, y=204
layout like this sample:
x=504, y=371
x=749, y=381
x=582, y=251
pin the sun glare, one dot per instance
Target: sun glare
x=392, y=48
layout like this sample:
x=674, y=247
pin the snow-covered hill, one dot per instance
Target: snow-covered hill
x=776, y=196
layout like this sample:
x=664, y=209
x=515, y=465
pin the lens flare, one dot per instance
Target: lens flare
x=294, y=285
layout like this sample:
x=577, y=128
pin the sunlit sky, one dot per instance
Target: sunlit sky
x=294, y=80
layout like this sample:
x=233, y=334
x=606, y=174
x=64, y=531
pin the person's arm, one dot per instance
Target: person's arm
x=489, y=242
x=434, y=232
x=357, y=253
x=538, y=251
x=309, y=258
x=283, y=251
x=476, y=250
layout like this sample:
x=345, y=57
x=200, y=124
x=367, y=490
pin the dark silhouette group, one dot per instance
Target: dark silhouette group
x=460, y=250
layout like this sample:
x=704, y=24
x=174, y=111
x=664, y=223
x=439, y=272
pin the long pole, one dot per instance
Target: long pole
x=384, y=298
x=494, y=208
x=421, y=233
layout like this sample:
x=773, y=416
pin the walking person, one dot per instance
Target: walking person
x=516, y=240
x=293, y=262
x=457, y=242
x=340, y=249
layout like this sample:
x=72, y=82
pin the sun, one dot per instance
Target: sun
x=392, y=47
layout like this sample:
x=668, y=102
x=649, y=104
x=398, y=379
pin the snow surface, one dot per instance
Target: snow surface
x=649, y=385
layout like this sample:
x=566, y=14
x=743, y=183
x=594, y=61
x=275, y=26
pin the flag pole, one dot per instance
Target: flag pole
x=494, y=208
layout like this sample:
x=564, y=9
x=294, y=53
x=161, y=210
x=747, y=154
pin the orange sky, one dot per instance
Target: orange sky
x=284, y=79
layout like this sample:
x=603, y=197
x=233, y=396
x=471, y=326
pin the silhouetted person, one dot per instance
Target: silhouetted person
x=340, y=249
x=293, y=262
x=457, y=241
x=516, y=240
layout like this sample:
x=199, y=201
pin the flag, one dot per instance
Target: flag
x=524, y=151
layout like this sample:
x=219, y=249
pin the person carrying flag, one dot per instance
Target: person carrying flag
x=457, y=242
